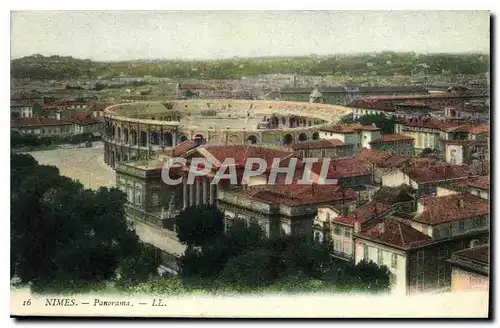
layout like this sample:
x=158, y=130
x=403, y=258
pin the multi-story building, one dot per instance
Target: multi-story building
x=341, y=95
x=434, y=133
x=357, y=135
x=86, y=124
x=470, y=270
x=416, y=248
x=425, y=180
x=478, y=186
x=44, y=127
x=396, y=144
x=282, y=209
x=322, y=148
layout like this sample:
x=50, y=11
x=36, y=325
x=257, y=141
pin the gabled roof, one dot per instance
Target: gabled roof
x=438, y=210
x=437, y=173
x=346, y=167
x=26, y=122
x=395, y=233
x=366, y=212
x=318, y=144
x=391, y=138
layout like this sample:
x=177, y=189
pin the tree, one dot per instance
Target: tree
x=385, y=124
x=62, y=232
x=199, y=225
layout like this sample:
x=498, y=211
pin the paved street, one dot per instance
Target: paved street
x=83, y=164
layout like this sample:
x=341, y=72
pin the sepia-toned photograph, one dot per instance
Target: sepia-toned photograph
x=250, y=164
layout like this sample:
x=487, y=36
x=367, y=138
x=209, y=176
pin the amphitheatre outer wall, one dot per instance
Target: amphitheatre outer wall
x=137, y=131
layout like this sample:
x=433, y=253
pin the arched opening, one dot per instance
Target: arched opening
x=315, y=136
x=302, y=137
x=125, y=136
x=252, y=140
x=154, y=138
x=283, y=121
x=143, y=138
x=134, y=137
x=167, y=139
x=113, y=131
x=119, y=134
x=287, y=139
x=309, y=123
x=199, y=139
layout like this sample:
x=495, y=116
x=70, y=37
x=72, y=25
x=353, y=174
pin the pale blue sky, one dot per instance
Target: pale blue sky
x=122, y=35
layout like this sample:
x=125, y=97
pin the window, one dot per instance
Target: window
x=130, y=195
x=155, y=199
x=336, y=230
x=480, y=222
x=336, y=246
x=380, y=257
x=323, y=153
x=420, y=258
x=394, y=261
x=461, y=226
x=420, y=281
x=348, y=249
x=366, y=252
x=347, y=232
x=138, y=199
x=443, y=252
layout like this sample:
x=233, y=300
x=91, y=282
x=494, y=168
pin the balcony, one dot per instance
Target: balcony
x=152, y=218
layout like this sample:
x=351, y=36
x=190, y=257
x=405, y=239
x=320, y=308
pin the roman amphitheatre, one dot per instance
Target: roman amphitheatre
x=138, y=130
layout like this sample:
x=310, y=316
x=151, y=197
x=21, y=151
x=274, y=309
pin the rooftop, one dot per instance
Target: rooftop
x=25, y=122
x=342, y=168
x=391, y=138
x=479, y=254
x=318, y=144
x=296, y=195
x=482, y=182
x=438, y=210
x=349, y=128
x=366, y=212
x=395, y=233
x=430, y=174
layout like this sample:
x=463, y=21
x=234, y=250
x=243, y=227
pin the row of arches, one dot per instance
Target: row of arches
x=288, y=138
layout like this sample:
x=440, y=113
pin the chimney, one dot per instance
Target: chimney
x=381, y=227
x=461, y=203
x=356, y=226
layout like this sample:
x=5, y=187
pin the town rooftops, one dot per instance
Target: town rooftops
x=26, y=122
x=480, y=254
x=240, y=154
x=391, y=195
x=482, y=182
x=381, y=159
x=296, y=195
x=431, y=174
x=318, y=144
x=346, y=167
x=479, y=129
x=391, y=138
x=395, y=233
x=438, y=210
x=84, y=120
x=363, y=214
x=349, y=128
x=475, y=259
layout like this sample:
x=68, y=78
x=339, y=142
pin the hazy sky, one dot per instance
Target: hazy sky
x=123, y=35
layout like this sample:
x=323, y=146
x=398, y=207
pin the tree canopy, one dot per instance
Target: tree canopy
x=62, y=232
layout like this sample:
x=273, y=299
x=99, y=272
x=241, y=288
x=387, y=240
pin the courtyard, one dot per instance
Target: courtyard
x=83, y=164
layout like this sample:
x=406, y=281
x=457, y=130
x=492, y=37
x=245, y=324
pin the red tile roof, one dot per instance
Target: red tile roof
x=295, y=195
x=381, y=159
x=437, y=173
x=181, y=148
x=482, y=182
x=480, y=254
x=396, y=233
x=364, y=213
x=36, y=122
x=479, y=129
x=318, y=144
x=349, y=128
x=449, y=208
x=435, y=123
x=241, y=153
x=372, y=104
x=342, y=168
x=392, y=138
x=84, y=120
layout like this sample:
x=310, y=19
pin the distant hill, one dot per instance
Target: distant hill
x=381, y=64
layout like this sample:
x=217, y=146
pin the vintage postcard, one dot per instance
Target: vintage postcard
x=250, y=164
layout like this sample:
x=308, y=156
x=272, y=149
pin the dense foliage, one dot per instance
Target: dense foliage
x=386, y=124
x=381, y=64
x=18, y=140
x=62, y=233
x=242, y=259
